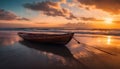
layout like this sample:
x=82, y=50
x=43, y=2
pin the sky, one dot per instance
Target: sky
x=84, y=14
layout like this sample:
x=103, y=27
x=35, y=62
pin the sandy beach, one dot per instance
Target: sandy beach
x=94, y=52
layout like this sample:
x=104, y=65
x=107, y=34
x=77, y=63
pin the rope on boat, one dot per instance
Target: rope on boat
x=76, y=40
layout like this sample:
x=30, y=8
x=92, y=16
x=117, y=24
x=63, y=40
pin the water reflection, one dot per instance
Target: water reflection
x=55, y=49
x=105, y=40
x=7, y=38
x=93, y=52
x=63, y=53
x=97, y=52
x=108, y=40
x=100, y=40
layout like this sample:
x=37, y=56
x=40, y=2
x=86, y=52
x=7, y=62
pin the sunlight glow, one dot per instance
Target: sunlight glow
x=108, y=20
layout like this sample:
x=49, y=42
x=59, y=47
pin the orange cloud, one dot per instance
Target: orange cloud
x=63, y=1
x=111, y=6
x=90, y=18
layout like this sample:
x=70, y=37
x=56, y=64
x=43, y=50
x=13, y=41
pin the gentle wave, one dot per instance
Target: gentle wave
x=89, y=31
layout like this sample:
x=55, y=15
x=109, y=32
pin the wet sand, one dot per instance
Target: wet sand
x=94, y=52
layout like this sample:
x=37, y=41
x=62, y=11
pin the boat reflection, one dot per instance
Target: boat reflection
x=59, y=50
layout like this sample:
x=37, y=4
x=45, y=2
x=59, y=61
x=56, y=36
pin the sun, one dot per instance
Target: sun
x=108, y=20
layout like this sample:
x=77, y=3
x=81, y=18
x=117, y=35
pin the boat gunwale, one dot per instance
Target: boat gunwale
x=62, y=38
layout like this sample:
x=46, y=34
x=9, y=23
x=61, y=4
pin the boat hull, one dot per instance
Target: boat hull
x=61, y=39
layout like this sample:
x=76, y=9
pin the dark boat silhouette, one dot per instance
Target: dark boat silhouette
x=55, y=38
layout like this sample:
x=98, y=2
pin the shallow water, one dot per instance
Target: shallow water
x=94, y=52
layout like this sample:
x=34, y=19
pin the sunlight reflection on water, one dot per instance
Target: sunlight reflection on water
x=109, y=40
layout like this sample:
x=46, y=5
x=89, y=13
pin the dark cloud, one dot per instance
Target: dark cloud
x=79, y=25
x=89, y=19
x=112, y=6
x=25, y=19
x=6, y=15
x=50, y=8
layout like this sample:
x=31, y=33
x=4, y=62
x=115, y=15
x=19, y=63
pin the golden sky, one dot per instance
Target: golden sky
x=60, y=13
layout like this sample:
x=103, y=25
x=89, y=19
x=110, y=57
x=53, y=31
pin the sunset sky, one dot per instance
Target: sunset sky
x=103, y=14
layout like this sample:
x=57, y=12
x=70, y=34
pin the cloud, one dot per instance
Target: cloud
x=117, y=22
x=63, y=1
x=7, y=15
x=25, y=19
x=89, y=19
x=79, y=25
x=50, y=8
x=112, y=6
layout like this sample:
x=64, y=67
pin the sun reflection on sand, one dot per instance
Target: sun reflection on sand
x=105, y=40
x=95, y=45
x=108, y=40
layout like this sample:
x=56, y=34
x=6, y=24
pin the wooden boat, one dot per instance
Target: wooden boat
x=61, y=39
